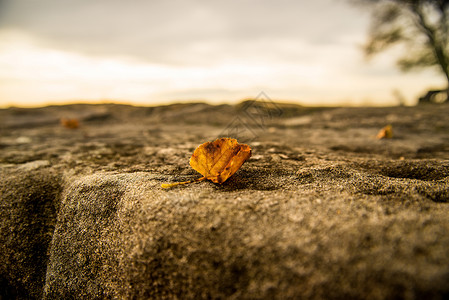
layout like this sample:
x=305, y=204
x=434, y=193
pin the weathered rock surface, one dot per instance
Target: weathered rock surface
x=321, y=210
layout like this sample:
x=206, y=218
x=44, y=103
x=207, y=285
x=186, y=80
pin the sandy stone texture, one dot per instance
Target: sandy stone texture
x=322, y=209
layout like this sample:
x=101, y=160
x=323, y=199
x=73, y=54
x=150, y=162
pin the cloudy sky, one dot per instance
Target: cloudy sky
x=150, y=52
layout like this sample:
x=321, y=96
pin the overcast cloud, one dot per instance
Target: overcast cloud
x=319, y=37
x=180, y=31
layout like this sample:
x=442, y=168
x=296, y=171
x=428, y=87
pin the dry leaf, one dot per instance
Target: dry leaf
x=385, y=133
x=217, y=160
x=70, y=123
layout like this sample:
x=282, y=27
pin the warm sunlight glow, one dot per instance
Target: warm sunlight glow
x=31, y=75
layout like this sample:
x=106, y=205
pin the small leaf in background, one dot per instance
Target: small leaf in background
x=217, y=160
x=385, y=133
x=70, y=123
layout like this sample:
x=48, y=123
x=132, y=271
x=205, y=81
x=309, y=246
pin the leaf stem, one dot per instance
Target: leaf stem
x=170, y=185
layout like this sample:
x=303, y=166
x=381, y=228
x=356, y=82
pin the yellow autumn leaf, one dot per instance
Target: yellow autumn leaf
x=70, y=123
x=385, y=133
x=217, y=160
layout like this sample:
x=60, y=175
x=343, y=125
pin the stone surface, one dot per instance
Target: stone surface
x=321, y=210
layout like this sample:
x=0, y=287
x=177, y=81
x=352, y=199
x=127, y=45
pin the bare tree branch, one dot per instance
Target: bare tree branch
x=422, y=25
